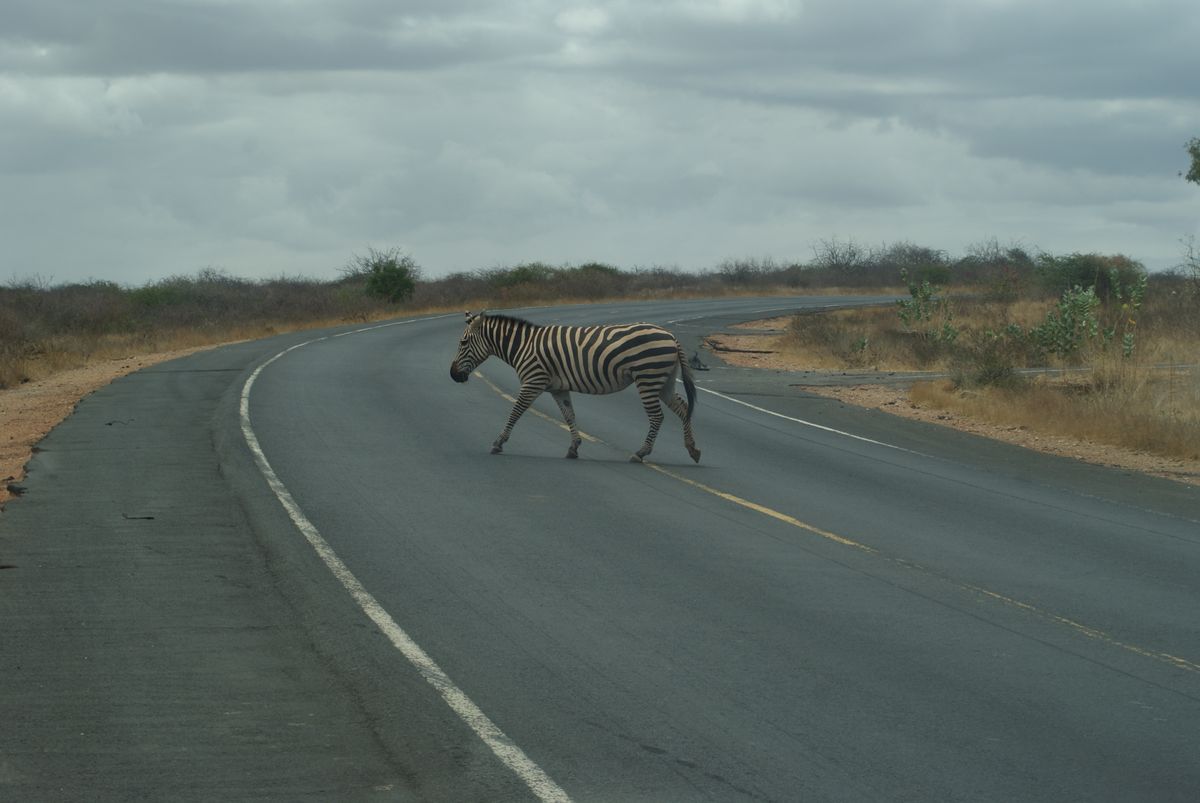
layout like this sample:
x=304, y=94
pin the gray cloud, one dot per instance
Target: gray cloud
x=137, y=37
x=143, y=138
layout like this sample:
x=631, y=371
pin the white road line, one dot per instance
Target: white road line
x=505, y=749
x=807, y=423
x=395, y=323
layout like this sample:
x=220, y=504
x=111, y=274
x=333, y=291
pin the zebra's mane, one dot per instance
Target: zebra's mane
x=500, y=316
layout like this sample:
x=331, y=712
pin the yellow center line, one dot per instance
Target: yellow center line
x=1090, y=632
x=561, y=425
x=766, y=511
x=1085, y=630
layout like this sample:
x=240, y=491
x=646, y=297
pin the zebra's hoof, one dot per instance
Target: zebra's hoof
x=496, y=450
x=695, y=453
x=572, y=455
x=637, y=458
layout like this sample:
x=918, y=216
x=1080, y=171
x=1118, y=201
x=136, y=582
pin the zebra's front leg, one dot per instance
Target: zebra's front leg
x=524, y=400
x=568, y=413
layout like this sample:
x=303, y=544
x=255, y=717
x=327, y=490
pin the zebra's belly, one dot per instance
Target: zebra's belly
x=589, y=386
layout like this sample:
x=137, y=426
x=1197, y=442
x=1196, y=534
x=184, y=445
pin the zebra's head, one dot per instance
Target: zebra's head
x=472, y=349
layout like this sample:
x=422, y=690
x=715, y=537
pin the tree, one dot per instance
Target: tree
x=1193, y=149
x=1191, y=256
x=389, y=275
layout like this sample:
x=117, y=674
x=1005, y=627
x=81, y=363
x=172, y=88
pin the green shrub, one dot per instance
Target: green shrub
x=1120, y=315
x=1104, y=274
x=161, y=294
x=387, y=275
x=1193, y=149
x=926, y=312
x=528, y=273
x=1072, y=322
x=927, y=264
x=598, y=268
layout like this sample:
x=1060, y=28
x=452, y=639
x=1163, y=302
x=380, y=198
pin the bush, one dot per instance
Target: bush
x=1104, y=310
x=847, y=260
x=918, y=313
x=388, y=275
x=528, y=273
x=1004, y=272
x=598, y=268
x=927, y=264
x=1072, y=322
x=1104, y=274
x=991, y=357
x=591, y=281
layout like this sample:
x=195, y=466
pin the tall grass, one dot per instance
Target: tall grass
x=874, y=337
x=1147, y=409
x=1117, y=370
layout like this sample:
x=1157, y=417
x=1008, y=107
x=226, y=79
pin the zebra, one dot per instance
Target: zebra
x=585, y=359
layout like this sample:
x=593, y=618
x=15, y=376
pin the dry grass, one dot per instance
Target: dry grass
x=871, y=337
x=59, y=353
x=1148, y=402
x=1157, y=411
x=842, y=338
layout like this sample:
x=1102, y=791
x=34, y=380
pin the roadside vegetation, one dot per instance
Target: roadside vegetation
x=47, y=327
x=1116, y=347
x=1084, y=345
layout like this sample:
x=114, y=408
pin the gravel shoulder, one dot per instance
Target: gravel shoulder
x=29, y=412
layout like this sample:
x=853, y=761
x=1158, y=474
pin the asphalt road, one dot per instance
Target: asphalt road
x=834, y=605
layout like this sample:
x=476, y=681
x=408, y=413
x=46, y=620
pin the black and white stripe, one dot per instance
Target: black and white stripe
x=585, y=359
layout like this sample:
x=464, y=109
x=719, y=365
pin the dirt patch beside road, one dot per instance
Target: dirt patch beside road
x=29, y=412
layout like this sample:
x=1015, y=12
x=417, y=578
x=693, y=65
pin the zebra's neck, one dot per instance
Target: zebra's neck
x=507, y=336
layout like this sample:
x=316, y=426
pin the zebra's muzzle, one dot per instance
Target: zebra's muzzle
x=458, y=375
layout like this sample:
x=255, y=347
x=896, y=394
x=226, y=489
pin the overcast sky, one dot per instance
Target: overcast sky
x=146, y=138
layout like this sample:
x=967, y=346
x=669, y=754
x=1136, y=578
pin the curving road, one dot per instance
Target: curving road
x=834, y=605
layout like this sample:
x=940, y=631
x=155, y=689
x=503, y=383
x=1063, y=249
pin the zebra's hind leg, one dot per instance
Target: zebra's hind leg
x=654, y=411
x=680, y=408
x=568, y=413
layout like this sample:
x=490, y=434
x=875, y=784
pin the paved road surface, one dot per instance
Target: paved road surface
x=834, y=605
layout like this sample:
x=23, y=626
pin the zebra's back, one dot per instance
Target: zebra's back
x=602, y=359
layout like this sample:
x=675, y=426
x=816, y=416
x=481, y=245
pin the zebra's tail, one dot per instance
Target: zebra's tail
x=689, y=384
